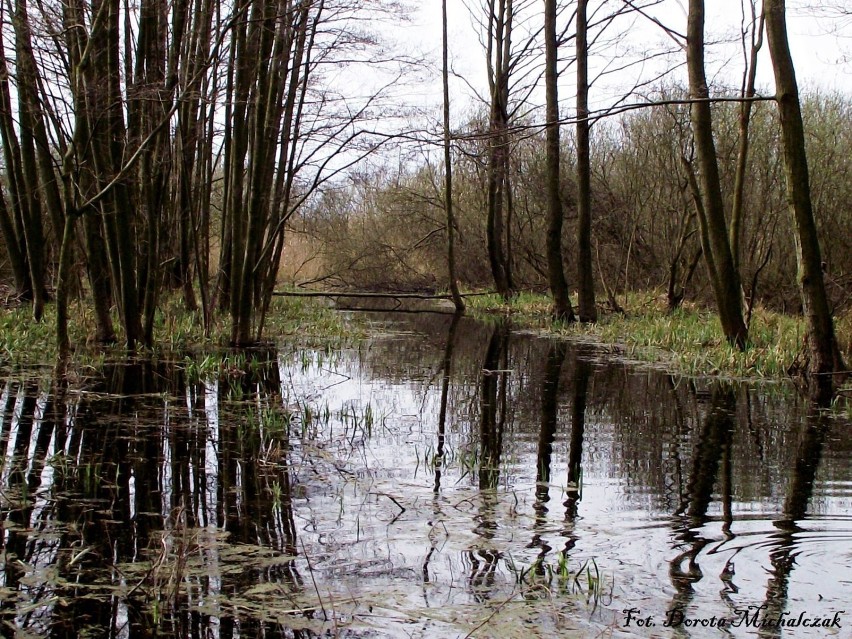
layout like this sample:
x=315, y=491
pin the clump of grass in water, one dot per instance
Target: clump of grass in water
x=315, y=323
x=690, y=340
x=527, y=306
x=541, y=584
x=24, y=342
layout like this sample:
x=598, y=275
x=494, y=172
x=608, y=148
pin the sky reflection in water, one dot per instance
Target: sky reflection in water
x=448, y=478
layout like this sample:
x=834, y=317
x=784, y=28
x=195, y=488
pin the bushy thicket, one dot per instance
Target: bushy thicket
x=385, y=229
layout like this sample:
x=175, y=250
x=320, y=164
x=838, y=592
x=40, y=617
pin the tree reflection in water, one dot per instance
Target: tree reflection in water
x=553, y=362
x=799, y=491
x=493, y=407
x=713, y=442
x=438, y=459
x=244, y=499
x=582, y=373
x=127, y=484
x=493, y=413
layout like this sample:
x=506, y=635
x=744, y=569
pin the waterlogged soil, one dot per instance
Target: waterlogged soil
x=447, y=479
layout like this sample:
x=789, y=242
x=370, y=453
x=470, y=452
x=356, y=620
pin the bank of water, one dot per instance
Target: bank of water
x=445, y=479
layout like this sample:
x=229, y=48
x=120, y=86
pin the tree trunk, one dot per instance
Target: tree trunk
x=302, y=42
x=825, y=358
x=448, y=169
x=586, y=309
x=498, y=59
x=725, y=278
x=13, y=221
x=33, y=115
x=265, y=112
x=79, y=174
x=28, y=117
x=562, y=309
x=743, y=145
x=63, y=342
x=16, y=258
x=119, y=222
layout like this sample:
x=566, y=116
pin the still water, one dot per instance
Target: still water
x=446, y=479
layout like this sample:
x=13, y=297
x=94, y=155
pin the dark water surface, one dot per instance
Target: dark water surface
x=449, y=479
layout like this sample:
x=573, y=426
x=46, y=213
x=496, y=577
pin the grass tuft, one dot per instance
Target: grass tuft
x=689, y=340
x=24, y=342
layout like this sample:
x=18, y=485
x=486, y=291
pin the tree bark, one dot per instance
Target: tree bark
x=448, y=169
x=562, y=309
x=825, y=358
x=725, y=278
x=499, y=46
x=586, y=308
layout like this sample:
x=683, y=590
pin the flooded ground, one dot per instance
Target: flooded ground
x=448, y=479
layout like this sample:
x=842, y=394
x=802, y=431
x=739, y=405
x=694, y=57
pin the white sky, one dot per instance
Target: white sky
x=818, y=53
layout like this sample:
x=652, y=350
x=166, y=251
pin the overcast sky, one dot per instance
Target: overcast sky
x=820, y=55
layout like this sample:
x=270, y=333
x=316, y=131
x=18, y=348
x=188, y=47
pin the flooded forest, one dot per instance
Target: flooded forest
x=449, y=478
x=591, y=376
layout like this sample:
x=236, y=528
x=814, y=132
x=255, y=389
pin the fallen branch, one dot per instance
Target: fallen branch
x=392, y=296
x=397, y=309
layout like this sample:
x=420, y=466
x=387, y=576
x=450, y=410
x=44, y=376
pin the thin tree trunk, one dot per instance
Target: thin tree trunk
x=448, y=169
x=499, y=42
x=28, y=92
x=562, y=309
x=119, y=222
x=31, y=200
x=276, y=35
x=825, y=358
x=236, y=178
x=14, y=234
x=586, y=308
x=297, y=85
x=16, y=259
x=199, y=194
x=726, y=283
x=232, y=117
x=66, y=258
x=154, y=77
x=79, y=172
x=743, y=145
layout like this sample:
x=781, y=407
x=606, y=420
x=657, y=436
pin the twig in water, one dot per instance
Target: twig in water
x=491, y=616
x=398, y=505
x=314, y=581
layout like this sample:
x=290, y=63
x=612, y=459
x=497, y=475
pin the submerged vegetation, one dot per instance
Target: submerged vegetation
x=190, y=514
x=454, y=478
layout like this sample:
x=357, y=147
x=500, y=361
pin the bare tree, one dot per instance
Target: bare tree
x=585, y=276
x=448, y=169
x=500, y=15
x=824, y=354
x=717, y=249
x=562, y=308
